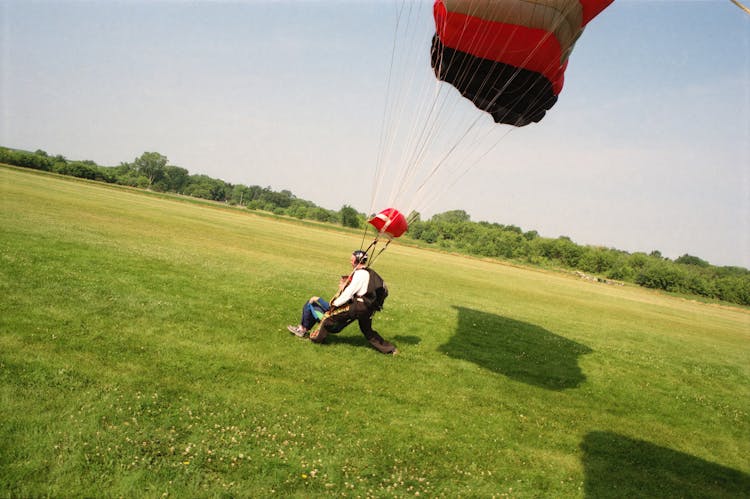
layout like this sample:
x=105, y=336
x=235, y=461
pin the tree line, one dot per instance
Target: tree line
x=452, y=230
x=152, y=171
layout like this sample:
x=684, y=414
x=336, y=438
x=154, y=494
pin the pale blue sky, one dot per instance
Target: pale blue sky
x=647, y=149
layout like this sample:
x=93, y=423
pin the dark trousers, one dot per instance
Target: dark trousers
x=343, y=316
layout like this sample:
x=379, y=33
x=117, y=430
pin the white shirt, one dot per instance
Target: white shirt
x=358, y=287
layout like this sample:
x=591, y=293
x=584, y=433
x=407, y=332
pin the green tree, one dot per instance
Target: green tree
x=26, y=159
x=126, y=174
x=661, y=275
x=81, y=169
x=451, y=217
x=735, y=289
x=565, y=251
x=321, y=215
x=350, y=217
x=281, y=199
x=531, y=235
x=239, y=195
x=173, y=179
x=298, y=209
x=691, y=260
x=150, y=165
x=430, y=233
x=597, y=260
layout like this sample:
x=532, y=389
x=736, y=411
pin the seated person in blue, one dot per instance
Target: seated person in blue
x=312, y=312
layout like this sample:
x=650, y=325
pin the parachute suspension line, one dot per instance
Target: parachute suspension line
x=421, y=143
x=377, y=181
x=394, y=120
x=439, y=164
x=420, y=131
x=364, y=235
x=410, y=74
x=434, y=124
x=413, y=216
x=371, y=250
x=403, y=123
x=427, y=135
x=371, y=259
x=408, y=159
x=435, y=195
x=738, y=4
x=475, y=41
x=425, y=130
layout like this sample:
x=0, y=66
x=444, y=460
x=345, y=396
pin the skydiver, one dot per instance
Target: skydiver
x=357, y=299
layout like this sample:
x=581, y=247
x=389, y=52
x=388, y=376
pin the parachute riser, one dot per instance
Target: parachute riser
x=372, y=250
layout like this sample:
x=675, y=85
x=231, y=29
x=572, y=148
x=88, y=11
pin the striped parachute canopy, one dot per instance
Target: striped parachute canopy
x=390, y=222
x=508, y=56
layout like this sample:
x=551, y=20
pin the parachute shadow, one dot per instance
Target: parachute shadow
x=519, y=350
x=619, y=466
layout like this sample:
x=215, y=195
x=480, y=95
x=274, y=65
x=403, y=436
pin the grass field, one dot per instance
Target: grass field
x=144, y=353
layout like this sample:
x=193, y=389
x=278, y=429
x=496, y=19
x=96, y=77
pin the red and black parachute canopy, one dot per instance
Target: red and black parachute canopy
x=508, y=56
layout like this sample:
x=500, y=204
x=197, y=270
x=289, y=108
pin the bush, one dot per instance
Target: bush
x=350, y=217
x=662, y=275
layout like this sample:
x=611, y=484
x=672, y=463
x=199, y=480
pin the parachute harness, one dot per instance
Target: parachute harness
x=390, y=223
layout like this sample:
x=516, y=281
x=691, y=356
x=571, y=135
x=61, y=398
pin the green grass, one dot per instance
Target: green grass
x=144, y=352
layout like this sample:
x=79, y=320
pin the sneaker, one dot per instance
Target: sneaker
x=297, y=331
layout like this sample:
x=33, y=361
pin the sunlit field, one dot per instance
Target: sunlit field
x=144, y=353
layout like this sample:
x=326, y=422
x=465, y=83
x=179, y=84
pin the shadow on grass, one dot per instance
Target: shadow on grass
x=518, y=350
x=347, y=337
x=618, y=466
x=352, y=336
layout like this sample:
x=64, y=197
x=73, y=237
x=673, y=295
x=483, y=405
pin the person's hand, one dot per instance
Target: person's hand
x=314, y=299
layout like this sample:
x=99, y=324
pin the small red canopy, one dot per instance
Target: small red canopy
x=390, y=222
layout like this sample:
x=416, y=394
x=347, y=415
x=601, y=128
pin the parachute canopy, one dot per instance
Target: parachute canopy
x=389, y=222
x=508, y=56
